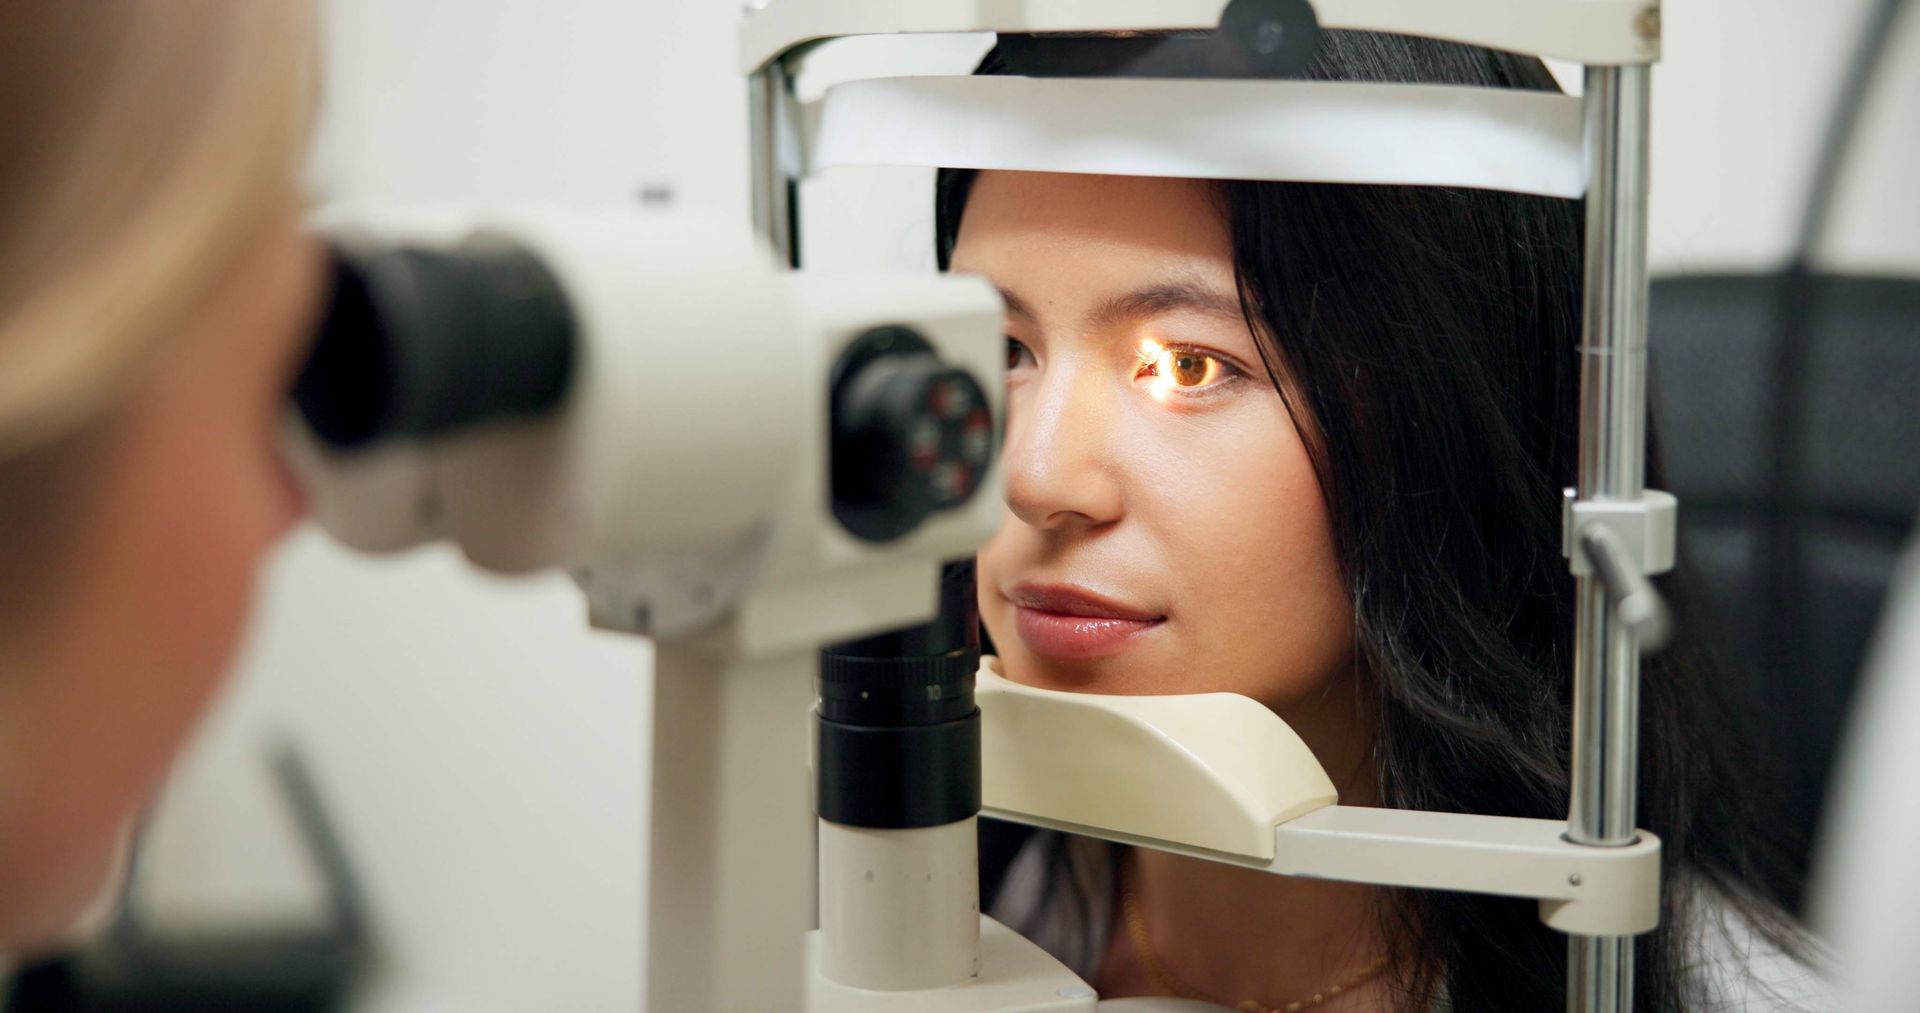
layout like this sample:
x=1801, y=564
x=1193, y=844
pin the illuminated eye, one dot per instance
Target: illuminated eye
x=1173, y=369
x=1191, y=369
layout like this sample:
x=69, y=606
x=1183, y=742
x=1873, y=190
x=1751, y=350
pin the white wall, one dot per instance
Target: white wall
x=485, y=753
x=1739, y=102
x=482, y=754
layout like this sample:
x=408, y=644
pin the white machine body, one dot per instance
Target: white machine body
x=684, y=480
x=689, y=461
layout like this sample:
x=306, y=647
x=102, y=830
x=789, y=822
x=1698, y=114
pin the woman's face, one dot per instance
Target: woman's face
x=1165, y=532
x=189, y=495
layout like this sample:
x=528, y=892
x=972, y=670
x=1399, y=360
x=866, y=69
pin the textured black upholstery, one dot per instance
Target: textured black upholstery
x=1713, y=344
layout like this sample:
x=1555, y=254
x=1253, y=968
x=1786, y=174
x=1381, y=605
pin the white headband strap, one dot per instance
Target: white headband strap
x=1302, y=131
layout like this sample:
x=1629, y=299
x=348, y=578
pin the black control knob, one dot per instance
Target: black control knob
x=911, y=435
x=1274, y=38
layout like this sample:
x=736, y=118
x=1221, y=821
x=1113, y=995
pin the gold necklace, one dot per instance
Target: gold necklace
x=1166, y=982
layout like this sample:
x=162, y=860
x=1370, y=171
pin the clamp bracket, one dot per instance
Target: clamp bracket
x=1623, y=542
x=1644, y=528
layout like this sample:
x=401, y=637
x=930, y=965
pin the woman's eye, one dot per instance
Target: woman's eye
x=1181, y=368
x=1017, y=354
x=1191, y=369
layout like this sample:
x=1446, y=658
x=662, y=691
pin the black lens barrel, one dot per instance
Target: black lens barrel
x=899, y=734
x=417, y=342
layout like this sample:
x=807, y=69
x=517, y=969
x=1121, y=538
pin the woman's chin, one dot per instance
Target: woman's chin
x=1029, y=669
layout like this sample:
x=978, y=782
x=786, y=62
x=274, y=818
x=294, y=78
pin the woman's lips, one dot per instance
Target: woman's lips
x=1070, y=624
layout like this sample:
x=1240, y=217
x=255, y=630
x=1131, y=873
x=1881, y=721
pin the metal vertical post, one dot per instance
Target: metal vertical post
x=773, y=151
x=1606, y=673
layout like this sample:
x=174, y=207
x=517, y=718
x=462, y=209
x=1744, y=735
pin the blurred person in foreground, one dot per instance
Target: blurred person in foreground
x=155, y=289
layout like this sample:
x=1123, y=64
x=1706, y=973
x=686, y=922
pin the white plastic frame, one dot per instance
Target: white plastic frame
x=1616, y=41
x=1296, y=131
x=1593, y=32
x=1219, y=776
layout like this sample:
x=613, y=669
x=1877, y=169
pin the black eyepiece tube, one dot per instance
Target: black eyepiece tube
x=417, y=342
x=899, y=742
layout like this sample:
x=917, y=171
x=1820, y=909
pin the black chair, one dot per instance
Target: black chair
x=1792, y=556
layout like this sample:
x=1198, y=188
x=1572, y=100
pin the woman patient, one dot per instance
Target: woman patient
x=1303, y=443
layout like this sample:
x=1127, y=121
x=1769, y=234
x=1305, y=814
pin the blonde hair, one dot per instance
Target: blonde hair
x=143, y=147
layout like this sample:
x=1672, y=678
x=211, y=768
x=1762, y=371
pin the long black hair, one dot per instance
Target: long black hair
x=1425, y=341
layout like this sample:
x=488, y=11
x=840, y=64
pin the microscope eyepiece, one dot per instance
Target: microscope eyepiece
x=417, y=342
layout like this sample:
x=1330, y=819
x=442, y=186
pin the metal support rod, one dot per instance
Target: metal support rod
x=773, y=151
x=1606, y=672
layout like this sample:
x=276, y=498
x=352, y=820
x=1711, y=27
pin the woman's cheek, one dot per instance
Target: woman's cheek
x=1245, y=525
x=205, y=503
x=233, y=520
x=169, y=575
x=995, y=613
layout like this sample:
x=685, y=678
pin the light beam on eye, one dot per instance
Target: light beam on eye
x=1154, y=354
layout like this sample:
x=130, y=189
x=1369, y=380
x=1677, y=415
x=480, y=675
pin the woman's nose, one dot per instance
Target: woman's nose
x=1059, y=459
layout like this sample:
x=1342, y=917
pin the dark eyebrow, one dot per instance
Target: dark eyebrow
x=1015, y=305
x=1149, y=302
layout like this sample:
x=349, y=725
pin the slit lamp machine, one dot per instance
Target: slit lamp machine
x=508, y=381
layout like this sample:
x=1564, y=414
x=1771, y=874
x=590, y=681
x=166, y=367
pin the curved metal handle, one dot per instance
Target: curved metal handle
x=1636, y=601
